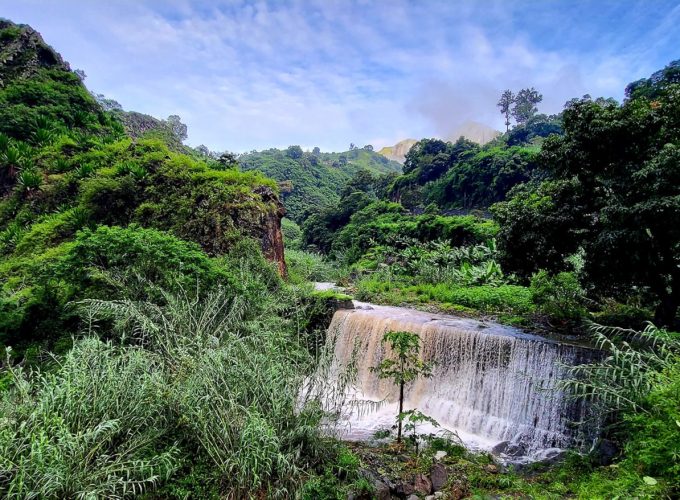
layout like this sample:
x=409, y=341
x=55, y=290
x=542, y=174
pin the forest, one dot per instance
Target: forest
x=161, y=335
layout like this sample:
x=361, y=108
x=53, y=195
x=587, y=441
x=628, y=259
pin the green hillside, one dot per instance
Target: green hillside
x=80, y=200
x=312, y=180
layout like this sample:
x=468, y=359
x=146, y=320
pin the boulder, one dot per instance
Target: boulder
x=551, y=456
x=438, y=475
x=500, y=448
x=605, y=452
x=422, y=484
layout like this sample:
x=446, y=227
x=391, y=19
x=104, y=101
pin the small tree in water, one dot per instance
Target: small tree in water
x=404, y=367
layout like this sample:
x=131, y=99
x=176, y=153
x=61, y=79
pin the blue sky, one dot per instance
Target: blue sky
x=251, y=74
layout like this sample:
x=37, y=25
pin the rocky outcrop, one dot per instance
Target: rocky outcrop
x=23, y=52
x=271, y=238
x=398, y=151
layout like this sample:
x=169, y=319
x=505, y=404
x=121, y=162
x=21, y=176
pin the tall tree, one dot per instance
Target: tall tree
x=525, y=105
x=178, y=128
x=615, y=194
x=505, y=104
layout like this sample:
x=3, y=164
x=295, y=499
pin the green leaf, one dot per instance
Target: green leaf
x=649, y=480
x=677, y=422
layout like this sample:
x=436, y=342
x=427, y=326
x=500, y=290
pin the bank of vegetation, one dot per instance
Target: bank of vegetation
x=152, y=344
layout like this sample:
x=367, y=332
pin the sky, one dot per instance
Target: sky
x=247, y=75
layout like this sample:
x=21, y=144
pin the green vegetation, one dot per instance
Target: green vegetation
x=153, y=345
x=404, y=368
x=313, y=180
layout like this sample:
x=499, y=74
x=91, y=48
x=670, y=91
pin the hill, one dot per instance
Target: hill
x=81, y=200
x=398, y=151
x=470, y=130
x=309, y=180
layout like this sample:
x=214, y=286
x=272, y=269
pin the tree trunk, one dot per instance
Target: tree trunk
x=401, y=410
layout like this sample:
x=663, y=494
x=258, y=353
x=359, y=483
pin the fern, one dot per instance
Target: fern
x=634, y=363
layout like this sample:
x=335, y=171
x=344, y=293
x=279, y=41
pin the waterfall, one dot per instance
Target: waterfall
x=490, y=383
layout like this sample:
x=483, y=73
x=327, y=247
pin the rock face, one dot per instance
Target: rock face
x=23, y=52
x=398, y=151
x=271, y=237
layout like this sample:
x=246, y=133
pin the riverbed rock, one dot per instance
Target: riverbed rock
x=460, y=488
x=551, y=456
x=605, y=452
x=515, y=450
x=422, y=484
x=438, y=475
x=491, y=468
x=500, y=448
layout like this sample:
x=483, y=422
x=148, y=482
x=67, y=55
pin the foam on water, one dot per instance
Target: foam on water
x=490, y=383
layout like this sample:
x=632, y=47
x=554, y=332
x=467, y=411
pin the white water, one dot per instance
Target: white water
x=490, y=383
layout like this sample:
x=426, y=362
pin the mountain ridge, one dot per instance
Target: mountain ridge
x=472, y=130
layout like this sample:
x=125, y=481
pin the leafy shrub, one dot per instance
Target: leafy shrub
x=637, y=385
x=292, y=234
x=560, y=296
x=308, y=266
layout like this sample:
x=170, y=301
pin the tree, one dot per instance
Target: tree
x=368, y=147
x=294, y=152
x=316, y=151
x=108, y=104
x=352, y=147
x=505, y=104
x=615, y=194
x=404, y=367
x=227, y=160
x=525, y=105
x=178, y=128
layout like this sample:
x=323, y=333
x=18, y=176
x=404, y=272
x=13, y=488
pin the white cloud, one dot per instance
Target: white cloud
x=255, y=74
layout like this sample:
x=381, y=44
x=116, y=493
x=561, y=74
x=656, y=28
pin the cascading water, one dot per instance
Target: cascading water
x=490, y=383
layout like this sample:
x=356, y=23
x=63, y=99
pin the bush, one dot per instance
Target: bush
x=308, y=266
x=108, y=262
x=560, y=296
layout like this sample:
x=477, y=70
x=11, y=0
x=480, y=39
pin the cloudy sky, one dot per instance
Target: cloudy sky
x=253, y=74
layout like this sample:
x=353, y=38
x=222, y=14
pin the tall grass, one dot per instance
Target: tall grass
x=91, y=429
x=179, y=381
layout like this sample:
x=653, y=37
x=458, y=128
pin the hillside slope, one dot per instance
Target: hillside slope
x=68, y=170
x=311, y=180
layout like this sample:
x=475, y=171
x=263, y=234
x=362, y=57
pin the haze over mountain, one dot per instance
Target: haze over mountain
x=472, y=130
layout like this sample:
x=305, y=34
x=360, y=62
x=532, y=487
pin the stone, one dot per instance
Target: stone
x=551, y=456
x=459, y=489
x=438, y=475
x=491, y=468
x=403, y=488
x=515, y=450
x=605, y=452
x=413, y=497
x=500, y=448
x=422, y=484
x=382, y=491
x=440, y=454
